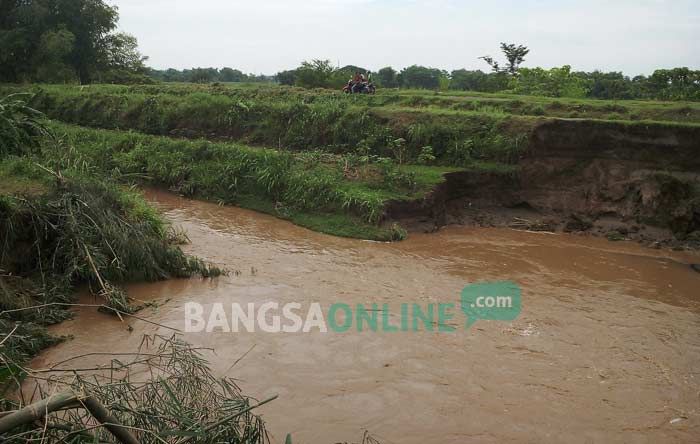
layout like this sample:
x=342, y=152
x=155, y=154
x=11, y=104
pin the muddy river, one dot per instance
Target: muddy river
x=606, y=348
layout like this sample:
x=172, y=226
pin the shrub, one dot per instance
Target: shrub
x=426, y=156
x=21, y=127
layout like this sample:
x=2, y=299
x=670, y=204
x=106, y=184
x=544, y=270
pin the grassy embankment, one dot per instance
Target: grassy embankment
x=333, y=167
x=485, y=103
x=310, y=189
x=321, y=159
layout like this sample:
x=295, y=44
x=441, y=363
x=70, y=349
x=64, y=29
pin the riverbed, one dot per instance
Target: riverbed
x=606, y=348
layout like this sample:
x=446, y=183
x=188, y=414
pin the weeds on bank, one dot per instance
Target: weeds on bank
x=75, y=231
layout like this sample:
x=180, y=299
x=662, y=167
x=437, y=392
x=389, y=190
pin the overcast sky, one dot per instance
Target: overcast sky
x=266, y=36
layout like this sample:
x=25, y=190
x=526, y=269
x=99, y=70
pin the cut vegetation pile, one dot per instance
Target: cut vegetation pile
x=163, y=393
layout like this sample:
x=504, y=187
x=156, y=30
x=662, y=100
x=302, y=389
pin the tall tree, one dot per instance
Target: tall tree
x=288, y=77
x=120, y=51
x=515, y=56
x=420, y=77
x=231, y=75
x=90, y=21
x=387, y=77
x=314, y=74
x=51, y=57
x=77, y=35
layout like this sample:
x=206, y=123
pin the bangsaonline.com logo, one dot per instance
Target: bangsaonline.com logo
x=497, y=301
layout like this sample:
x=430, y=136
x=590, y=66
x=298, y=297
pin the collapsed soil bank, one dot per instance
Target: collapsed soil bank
x=620, y=180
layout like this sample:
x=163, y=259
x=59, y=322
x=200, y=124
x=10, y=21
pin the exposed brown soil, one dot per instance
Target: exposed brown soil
x=615, y=180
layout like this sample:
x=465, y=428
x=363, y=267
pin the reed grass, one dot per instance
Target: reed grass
x=76, y=230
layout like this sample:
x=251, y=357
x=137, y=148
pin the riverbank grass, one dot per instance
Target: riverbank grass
x=59, y=231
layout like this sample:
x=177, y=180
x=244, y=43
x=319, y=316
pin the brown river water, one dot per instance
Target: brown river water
x=606, y=349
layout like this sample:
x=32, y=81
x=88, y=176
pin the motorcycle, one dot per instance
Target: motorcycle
x=360, y=88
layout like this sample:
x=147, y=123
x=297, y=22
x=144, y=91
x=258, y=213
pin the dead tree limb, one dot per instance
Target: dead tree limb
x=111, y=423
x=61, y=401
x=38, y=410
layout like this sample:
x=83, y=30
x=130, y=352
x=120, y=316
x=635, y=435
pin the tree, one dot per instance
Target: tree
x=314, y=74
x=387, y=77
x=120, y=51
x=90, y=21
x=420, y=77
x=81, y=32
x=495, y=67
x=674, y=84
x=203, y=75
x=288, y=77
x=555, y=82
x=173, y=75
x=231, y=75
x=50, y=59
x=607, y=85
x=515, y=56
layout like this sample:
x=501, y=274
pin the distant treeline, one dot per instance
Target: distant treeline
x=663, y=84
x=206, y=75
x=75, y=41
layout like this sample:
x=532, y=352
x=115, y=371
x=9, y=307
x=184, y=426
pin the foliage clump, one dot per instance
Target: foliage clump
x=21, y=126
x=80, y=231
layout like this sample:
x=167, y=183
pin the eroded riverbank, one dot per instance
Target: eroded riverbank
x=605, y=350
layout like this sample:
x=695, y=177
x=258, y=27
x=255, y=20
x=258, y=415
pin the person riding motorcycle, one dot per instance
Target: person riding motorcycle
x=359, y=84
x=357, y=80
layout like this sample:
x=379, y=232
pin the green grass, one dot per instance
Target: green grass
x=336, y=224
x=21, y=178
x=285, y=119
x=287, y=151
x=61, y=231
x=334, y=194
x=489, y=103
x=463, y=131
